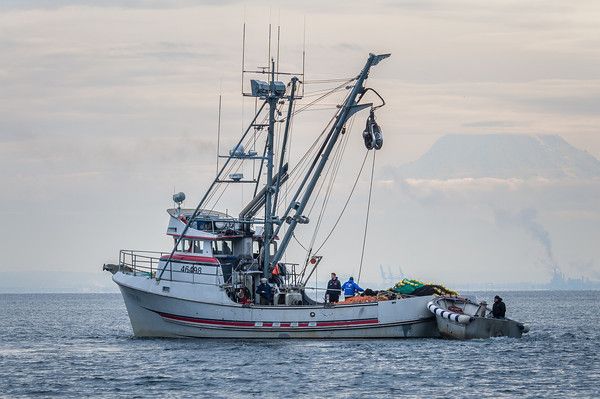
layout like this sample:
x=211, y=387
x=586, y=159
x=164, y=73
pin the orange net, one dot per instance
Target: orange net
x=364, y=299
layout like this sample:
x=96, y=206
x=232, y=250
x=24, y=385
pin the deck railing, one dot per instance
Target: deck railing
x=140, y=262
x=147, y=263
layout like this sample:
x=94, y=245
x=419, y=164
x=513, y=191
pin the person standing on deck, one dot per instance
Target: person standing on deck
x=499, y=308
x=334, y=288
x=265, y=291
x=351, y=288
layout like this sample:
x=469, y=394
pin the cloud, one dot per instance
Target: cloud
x=106, y=106
x=134, y=4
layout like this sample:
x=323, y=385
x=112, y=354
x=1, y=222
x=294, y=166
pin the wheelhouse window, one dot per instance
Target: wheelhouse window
x=256, y=248
x=198, y=247
x=222, y=247
x=193, y=246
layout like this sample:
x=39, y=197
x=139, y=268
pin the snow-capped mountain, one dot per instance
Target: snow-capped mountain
x=501, y=156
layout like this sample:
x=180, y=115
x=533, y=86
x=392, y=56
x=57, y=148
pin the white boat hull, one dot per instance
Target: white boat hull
x=470, y=323
x=188, y=310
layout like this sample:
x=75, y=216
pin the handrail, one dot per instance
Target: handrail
x=147, y=263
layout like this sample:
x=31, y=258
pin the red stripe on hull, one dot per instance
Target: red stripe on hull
x=270, y=324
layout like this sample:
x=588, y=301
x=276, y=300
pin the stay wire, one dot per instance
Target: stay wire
x=316, y=100
x=362, y=254
x=321, y=184
x=336, y=162
x=346, y=204
x=237, y=164
x=304, y=166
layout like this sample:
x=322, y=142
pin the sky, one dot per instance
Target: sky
x=107, y=108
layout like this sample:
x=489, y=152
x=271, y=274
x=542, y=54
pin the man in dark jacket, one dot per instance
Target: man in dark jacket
x=265, y=291
x=499, y=308
x=334, y=288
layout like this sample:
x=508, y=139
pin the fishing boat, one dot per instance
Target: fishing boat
x=206, y=286
x=464, y=318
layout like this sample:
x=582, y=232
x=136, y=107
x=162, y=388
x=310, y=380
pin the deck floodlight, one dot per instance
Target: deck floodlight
x=236, y=176
x=237, y=151
x=279, y=89
x=261, y=88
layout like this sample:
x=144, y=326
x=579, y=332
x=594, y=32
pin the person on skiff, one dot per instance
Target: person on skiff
x=499, y=308
x=351, y=288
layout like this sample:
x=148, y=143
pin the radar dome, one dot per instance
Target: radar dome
x=179, y=198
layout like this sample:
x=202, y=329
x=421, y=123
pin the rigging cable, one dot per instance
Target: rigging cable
x=303, y=165
x=334, y=169
x=299, y=243
x=320, y=81
x=362, y=254
x=321, y=184
x=316, y=100
x=237, y=162
x=346, y=204
x=233, y=165
x=305, y=157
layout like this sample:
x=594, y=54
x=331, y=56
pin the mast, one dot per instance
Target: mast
x=272, y=99
x=284, y=142
x=349, y=108
x=215, y=181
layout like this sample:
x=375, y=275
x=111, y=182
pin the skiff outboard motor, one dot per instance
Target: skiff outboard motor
x=372, y=134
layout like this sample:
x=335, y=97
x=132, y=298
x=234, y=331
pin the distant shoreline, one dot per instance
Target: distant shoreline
x=491, y=290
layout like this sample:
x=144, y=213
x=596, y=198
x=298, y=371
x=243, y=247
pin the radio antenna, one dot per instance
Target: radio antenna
x=219, y=126
x=269, y=52
x=303, y=51
x=243, y=50
x=278, y=38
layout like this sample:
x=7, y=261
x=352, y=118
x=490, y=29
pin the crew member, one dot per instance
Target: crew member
x=276, y=273
x=265, y=291
x=334, y=287
x=351, y=288
x=499, y=308
x=243, y=296
x=226, y=248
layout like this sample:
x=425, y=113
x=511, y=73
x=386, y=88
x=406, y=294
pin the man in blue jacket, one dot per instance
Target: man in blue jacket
x=351, y=288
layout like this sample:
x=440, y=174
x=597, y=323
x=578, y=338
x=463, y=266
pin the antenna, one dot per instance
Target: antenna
x=272, y=69
x=243, y=49
x=269, y=52
x=277, y=63
x=303, y=50
x=219, y=131
x=278, y=38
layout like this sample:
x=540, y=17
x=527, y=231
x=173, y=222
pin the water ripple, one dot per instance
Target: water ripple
x=82, y=345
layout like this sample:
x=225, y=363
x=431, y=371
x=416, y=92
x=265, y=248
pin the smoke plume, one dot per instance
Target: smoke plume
x=527, y=220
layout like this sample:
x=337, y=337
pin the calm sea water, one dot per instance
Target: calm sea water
x=62, y=345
